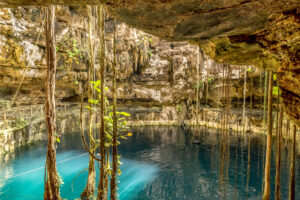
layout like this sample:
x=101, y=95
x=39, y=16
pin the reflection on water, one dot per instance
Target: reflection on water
x=159, y=163
x=190, y=171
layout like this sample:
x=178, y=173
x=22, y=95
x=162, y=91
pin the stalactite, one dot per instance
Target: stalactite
x=102, y=193
x=52, y=180
x=171, y=73
x=89, y=191
x=135, y=57
x=266, y=195
x=113, y=188
x=145, y=51
x=292, y=167
x=278, y=155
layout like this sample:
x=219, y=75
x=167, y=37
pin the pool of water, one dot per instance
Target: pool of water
x=159, y=163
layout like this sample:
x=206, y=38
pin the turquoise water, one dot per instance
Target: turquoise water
x=22, y=178
x=158, y=164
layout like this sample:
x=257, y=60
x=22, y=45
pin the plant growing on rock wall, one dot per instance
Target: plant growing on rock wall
x=178, y=108
x=200, y=85
x=21, y=123
x=210, y=79
x=275, y=90
x=249, y=70
x=69, y=51
x=150, y=53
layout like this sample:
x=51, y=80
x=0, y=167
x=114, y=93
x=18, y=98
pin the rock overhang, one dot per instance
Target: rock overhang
x=261, y=33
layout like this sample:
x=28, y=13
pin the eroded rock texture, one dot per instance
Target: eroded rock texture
x=262, y=33
x=156, y=78
x=152, y=73
x=143, y=59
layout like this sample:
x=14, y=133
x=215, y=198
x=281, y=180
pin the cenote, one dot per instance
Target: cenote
x=158, y=163
x=149, y=100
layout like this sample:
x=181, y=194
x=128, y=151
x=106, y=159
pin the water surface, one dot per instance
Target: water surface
x=159, y=163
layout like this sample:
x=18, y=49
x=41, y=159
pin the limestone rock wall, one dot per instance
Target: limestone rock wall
x=150, y=70
x=156, y=79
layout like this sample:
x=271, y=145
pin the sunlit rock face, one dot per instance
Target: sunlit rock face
x=261, y=33
x=156, y=79
x=151, y=71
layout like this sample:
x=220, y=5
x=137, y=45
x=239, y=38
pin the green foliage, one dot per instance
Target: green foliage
x=149, y=53
x=57, y=137
x=156, y=108
x=143, y=39
x=68, y=49
x=275, y=77
x=21, y=123
x=121, y=116
x=178, y=107
x=121, y=121
x=200, y=85
x=276, y=90
x=210, y=79
x=60, y=179
x=249, y=69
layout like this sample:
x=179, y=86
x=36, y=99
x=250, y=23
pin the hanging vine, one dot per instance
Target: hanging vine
x=266, y=195
x=90, y=186
x=278, y=155
x=52, y=182
x=265, y=99
x=249, y=135
x=197, y=91
x=244, y=101
x=113, y=188
x=102, y=193
x=292, y=167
